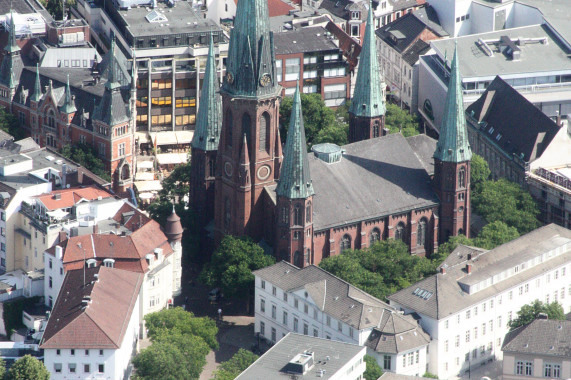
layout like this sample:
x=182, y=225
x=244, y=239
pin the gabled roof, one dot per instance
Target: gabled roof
x=103, y=323
x=398, y=333
x=511, y=122
x=69, y=197
x=414, y=51
x=541, y=337
x=333, y=296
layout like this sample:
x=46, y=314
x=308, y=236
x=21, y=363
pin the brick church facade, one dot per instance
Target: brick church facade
x=309, y=206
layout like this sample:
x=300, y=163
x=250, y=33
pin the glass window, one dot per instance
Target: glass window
x=292, y=69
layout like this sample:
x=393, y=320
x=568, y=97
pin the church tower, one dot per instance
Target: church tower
x=294, y=224
x=248, y=153
x=452, y=162
x=11, y=68
x=367, y=111
x=205, y=142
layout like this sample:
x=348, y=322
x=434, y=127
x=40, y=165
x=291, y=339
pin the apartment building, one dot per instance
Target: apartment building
x=312, y=56
x=313, y=302
x=466, y=307
x=93, y=330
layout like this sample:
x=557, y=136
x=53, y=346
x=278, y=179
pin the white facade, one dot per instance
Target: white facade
x=95, y=363
x=474, y=335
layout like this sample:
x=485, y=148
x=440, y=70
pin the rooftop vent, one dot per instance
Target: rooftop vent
x=301, y=363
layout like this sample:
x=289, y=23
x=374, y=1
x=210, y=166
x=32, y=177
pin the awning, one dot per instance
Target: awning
x=144, y=176
x=147, y=195
x=171, y=158
x=146, y=186
x=143, y=137
x=58, y=214
x=184, y=137
x=164, y=138
x=145, y=164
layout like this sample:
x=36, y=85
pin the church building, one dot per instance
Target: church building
x=309, y=206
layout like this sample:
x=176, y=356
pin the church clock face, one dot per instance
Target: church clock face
x=229, y=77
x=228, y=169
x=265, y=80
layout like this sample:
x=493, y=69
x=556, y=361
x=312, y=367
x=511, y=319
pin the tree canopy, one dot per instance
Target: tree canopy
x=479, y=170
x=238, y=363
x=164, y=361
x=322, y=124
x=232, y=264
x=86, y=156
x=28, y=368
x=399, y=120
x=10, y=124
x=528, y=313
x=373, y=371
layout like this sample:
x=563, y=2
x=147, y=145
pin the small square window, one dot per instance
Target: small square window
x=58, y=352
x=86, y=368
x=72, y=352
x=101, y=368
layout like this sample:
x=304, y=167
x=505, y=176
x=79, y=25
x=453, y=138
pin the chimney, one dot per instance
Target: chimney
x=95, y=229
x=542, y=316
x=59, y=252
x=442, y=270
x=469, y=268
x=558, y=119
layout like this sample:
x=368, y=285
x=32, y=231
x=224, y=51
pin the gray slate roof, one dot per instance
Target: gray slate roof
x=307, y=40
x=514, y=124
x=399, y=333
x=449, y=298
x=423, y=147
x=540, y=337
x=333, y=296
x=375, y=178
x=329, y=355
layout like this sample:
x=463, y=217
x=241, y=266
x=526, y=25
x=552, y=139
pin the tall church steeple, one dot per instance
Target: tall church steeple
x=452, y=162
x=367, y=111
x=205, y=141
x=294, y=227
x=250, y=107
x=12, y=64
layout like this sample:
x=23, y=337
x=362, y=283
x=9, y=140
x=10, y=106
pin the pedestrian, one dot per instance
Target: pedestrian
x=220, y=314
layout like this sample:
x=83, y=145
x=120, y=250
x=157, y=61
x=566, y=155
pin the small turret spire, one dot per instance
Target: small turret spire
x=453, y=145
x=68, y=105
x=295, y=179
x=209, y=118
x=245, y=162
x=367, y=99
x=37, y=95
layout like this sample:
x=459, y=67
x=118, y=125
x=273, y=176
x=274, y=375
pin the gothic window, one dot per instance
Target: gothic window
x=308, y=212
x=227, y=213
x=462, y=177
x=229, y=126
x=285, y=215
x=376, y=128
x=211, y=167
x=297, y=216
x=264, y=132
x=125, y=172
x=421, y=233
x=375, y=236
x=297, y=259
x=345, y=243
x=246, y=126
x=51, y=119
x=399, y=231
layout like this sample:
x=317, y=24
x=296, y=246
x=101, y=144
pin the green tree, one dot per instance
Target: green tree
x=528, y=313
x=494, y=234
x=2, y=368
x=430, y=375
x=398, y=120
x=373, y=370
x=163, y=361
x=28, y=368
x=238, y=363
x=232, y=264
x=322, y=124
x=86, y=156
x=479, y=170
x=181, y=321
x=10, y=124
x=507, y=202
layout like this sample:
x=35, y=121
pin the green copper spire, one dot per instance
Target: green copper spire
x=453, y=145
x=367, y=99
x=68, y=105
x=209, y=119
x=12, y=45
x=37, y=95
x=12, y=64
x=251, y=68
x=295, y=180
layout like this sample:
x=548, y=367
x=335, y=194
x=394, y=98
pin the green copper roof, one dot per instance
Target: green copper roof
x=295, y=180
x=251, y=67
x=12, y=45
x=367, y=98
x=12, y=64
x=68, y=105
x=209, y=119
x=453, y=145
x=37, y=95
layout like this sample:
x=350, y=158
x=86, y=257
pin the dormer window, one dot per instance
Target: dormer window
x=355, y=15
x=109, y=263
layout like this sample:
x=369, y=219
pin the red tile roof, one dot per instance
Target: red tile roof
x=70, y=197
x=103, y=323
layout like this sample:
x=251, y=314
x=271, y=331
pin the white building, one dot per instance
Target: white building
x=93, y=329
x=299, y=356
x=467, y=306
x=311, y=301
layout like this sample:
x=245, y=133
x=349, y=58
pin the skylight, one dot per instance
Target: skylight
x=424, y=294
x=156, y=16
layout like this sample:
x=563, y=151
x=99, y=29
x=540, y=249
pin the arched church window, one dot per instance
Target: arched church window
x=308, y=213
x=227, y=215
x=376, y=128
x=211, y=167
x=229, y=127
x=264, y=131
x=375, y=236
x=297, y=216
x=285, y=215
x=399, y=231
x=125, y=172
x=462, y=177
x=421, y=233
x=246, y=126
x=51, y=119
x=298, y=259
x=345, y=243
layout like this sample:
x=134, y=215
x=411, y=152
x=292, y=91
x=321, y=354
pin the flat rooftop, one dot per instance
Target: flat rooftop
x=180, y=19
x=329, y=355
x=304, y=40
x=536, y=57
